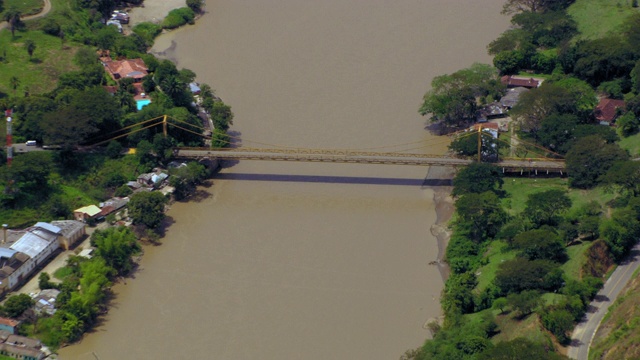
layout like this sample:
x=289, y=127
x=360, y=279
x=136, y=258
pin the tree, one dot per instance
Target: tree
x=518, y=6
x=480, y=214
x=477, y=178
x=467, y=145
x=514, y=350
x=559, y=322
x=501, y=304
x=147, y=208
x=521, y=274
x=509, y=61
x=628, y=124
x=14, y=82
x=540, y=244
x=12, y=16
x=544, y=208
x=17, y=304
x=30, y=45
x=221, y=115
x=525, y=302
x=557, y=132
x=195, y=5
x=452, y=98
x=621, y=232
x=67, y=127
x=589, y=158
x=44, y=281
x=536, y=105
x=116, y=245
x=184, y=179
x=624, y=175
x=114, y=149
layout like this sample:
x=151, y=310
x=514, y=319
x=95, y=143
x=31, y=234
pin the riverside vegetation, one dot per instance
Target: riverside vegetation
x=51, y=77
x=527, y=255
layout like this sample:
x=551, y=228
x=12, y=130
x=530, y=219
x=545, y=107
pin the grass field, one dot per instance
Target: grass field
x=520, y=188
x=631, y=144
x=573, y=267
x=39, y=73
x=598, y=18
x=25, y=7
x=496, y=255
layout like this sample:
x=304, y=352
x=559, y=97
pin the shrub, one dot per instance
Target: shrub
x=148, y=31
x=178, y=17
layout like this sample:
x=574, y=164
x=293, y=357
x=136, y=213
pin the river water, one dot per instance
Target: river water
x=295, y=260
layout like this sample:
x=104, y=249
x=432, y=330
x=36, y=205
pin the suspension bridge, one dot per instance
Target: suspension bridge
x=401, y=154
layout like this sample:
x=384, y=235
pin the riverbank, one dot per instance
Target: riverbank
x=440, y=178
x=153, y=11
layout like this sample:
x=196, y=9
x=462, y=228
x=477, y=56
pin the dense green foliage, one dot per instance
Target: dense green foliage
x=147, y=208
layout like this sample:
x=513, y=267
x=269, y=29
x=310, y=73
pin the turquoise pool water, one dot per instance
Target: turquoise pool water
x=142, y=103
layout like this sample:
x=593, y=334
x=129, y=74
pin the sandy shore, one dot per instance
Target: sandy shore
x=154, y=10
x=440, y=180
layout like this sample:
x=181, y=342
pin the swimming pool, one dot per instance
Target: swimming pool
x=142, y=103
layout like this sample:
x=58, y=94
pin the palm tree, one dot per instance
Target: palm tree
x=12, y=16
x=14, y=82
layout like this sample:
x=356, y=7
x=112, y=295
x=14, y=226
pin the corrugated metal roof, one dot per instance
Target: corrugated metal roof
x=6, y=252
x=49, y=227
x=90, y=210
x=32, y=243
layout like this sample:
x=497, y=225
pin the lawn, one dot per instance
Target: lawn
x=598, y=18
x=573, y=267
x=631, y=144
x=39, y=73
x=25, y=7
x=519, y=190
x=496, y=255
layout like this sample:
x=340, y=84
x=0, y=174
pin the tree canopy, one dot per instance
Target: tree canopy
x=477, y=178
x=147, y=208
x=452, y=98
x=589, y=158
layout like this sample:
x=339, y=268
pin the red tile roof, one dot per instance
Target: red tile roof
x=133, y=68
x=606, y=109
x=512, y=81
x=9, y=322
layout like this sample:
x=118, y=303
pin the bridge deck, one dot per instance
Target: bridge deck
x=360, y=157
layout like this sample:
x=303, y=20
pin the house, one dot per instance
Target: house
x=510, y=99
x=11, y=268
x=20, y=347
x=120, y=16
x=86, y=212
x=45, y=301
x=135, y=69
x=115, y=23
x=607, y=110
x=517, y=81
x=490, y=111
x=112, y=205
x=8, y=324
x=152, y=179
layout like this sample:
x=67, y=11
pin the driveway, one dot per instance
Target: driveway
x=585, y=330
x=45, y=11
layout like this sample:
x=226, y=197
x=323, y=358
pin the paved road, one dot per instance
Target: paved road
x=586, y=329
x=45, y=11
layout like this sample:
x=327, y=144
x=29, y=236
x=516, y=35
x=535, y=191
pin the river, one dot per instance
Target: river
x=303, y=260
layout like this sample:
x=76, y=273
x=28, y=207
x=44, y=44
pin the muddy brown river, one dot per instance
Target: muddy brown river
x=303, y=260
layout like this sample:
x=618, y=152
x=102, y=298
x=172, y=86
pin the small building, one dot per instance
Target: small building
x=112, y=205
x=86, y=253
x=86, y=212
x=20, y=347
x=135, y=69
x=518, y=81
x=45, y=301
x=8, y=324
x=152, y=179
x=607, y=111
x=511, y=98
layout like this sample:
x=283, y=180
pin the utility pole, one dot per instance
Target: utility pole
x=164, y=126
x=479, y=143
x=8, y=114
